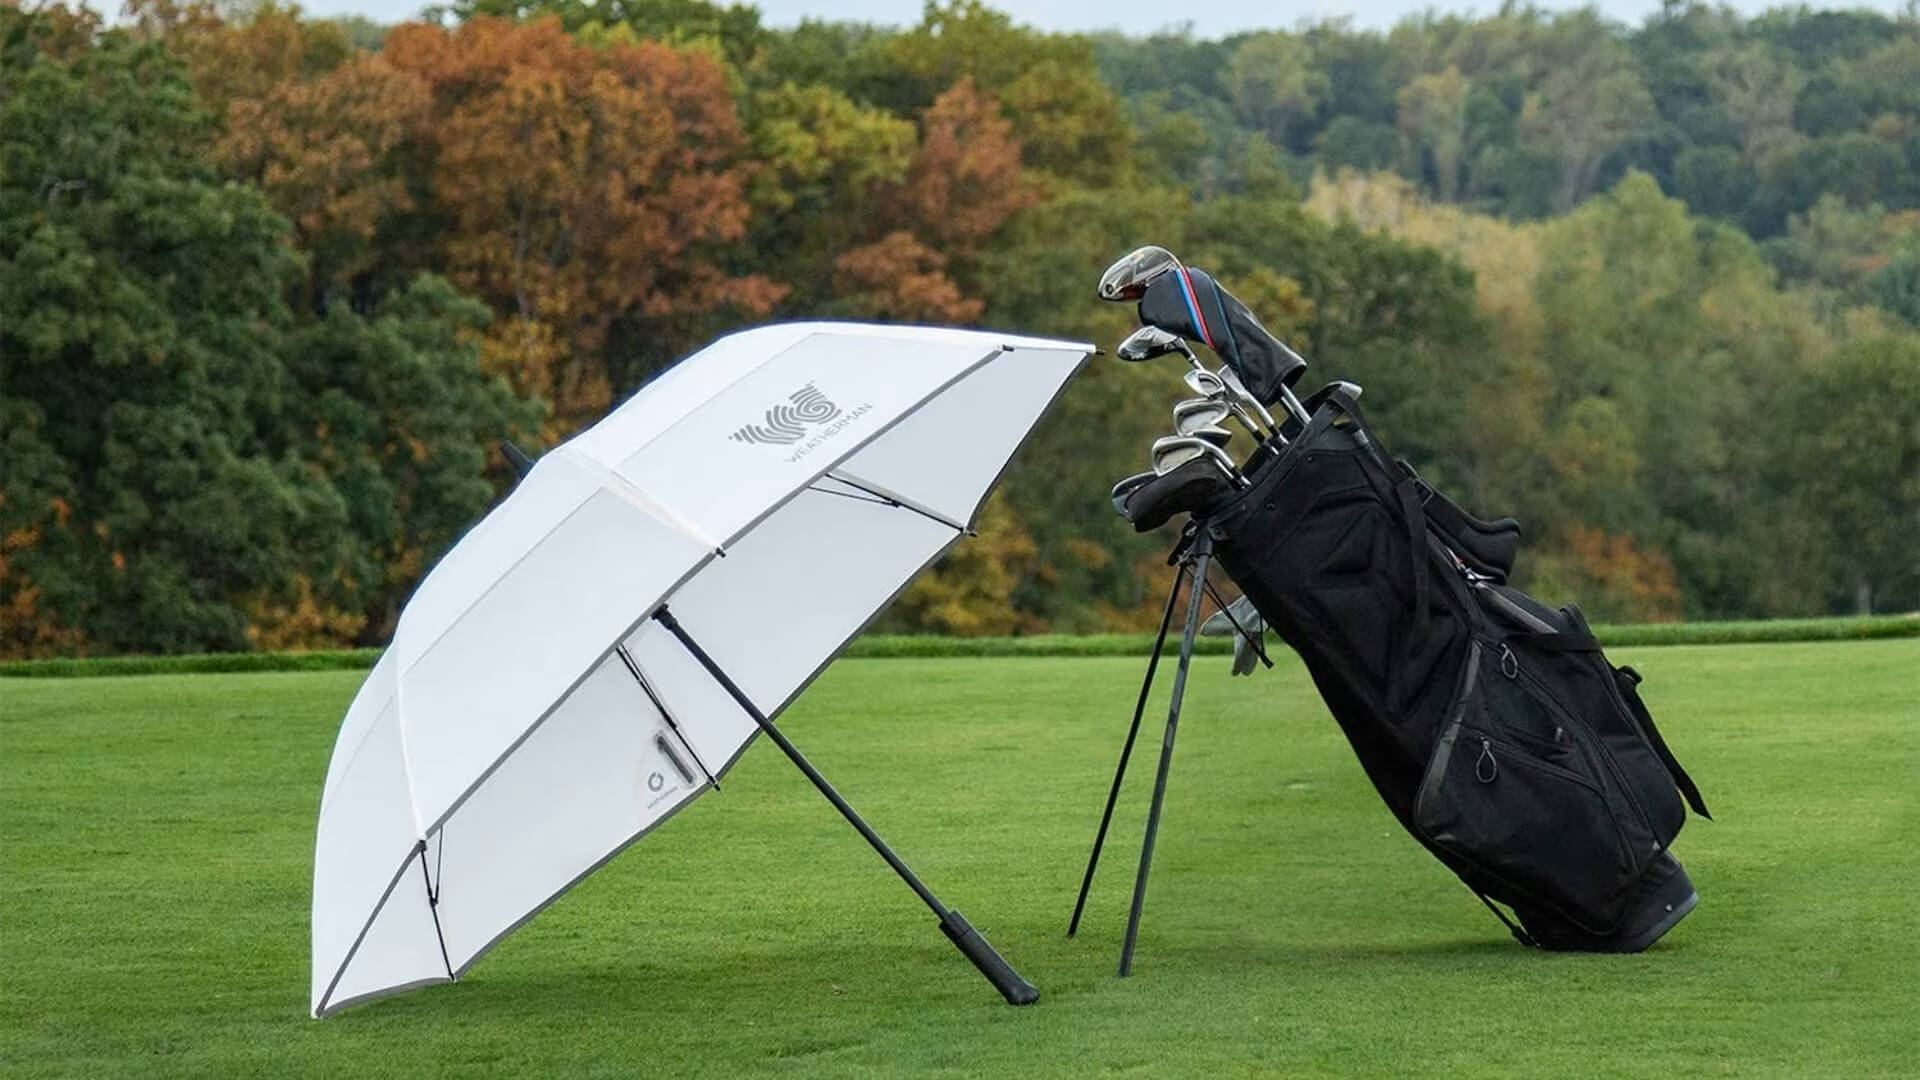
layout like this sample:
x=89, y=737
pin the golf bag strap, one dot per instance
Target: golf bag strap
x=1402, y=500
x=1519, y=933
x=1402, y=495
x=1631, y=695
x=1336, y=395
x=1489, y=545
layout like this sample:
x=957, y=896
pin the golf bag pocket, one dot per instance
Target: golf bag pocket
x=1567, y=672
x=1514, y=791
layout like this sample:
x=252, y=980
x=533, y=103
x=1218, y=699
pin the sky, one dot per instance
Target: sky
x=1132, y=16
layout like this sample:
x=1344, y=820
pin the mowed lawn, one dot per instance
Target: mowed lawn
x=156, y=840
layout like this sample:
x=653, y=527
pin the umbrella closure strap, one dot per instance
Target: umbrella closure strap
x=1016, y=990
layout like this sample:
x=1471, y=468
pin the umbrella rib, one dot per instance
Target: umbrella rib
x=895, y=500
x=646, y=688
x=433, y=905
x=855, y=496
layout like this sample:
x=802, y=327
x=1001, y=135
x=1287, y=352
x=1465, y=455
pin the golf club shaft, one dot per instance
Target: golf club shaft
x=1231, y=399
x=1298, y=410
x=1265, y=416
x=1126, y=749
x=971, y=944
x=1201, y=553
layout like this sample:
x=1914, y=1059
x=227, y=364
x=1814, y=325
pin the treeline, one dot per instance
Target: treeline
x=1800, y=127
x=272, y=287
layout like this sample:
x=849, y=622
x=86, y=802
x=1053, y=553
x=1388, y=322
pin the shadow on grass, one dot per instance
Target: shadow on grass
x=856, y=977
x=617, y=990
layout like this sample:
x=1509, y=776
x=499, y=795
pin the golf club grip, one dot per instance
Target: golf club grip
x=1015, y=989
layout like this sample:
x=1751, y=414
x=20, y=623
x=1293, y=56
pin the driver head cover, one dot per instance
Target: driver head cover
x=1190, y=303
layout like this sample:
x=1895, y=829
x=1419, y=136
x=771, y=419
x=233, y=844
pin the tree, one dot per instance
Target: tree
x=1433, y=118
x=1711, y=181
x=396, y=415
x=1757, y=90
x=1274, y=84
x=735, y=28
x=1853, y=467
x=145, y=493
x=328, y=153
x=185, y=469
x=1584, y=113
x=1897, y=286
x=582, y=188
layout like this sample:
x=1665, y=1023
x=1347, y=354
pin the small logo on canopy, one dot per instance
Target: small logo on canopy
x=787, y=422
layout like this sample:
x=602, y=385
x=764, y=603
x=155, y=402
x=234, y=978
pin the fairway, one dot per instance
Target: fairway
x=156, y=840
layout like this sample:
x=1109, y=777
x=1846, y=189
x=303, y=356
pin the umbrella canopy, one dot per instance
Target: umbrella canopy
x=601, y=648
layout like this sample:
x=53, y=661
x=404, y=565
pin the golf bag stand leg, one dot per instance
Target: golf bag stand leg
x=1126, y=749
x=969, y=941
x=1201, y=553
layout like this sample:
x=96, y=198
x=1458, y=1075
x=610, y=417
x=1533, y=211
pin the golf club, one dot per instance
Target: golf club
x=1213, y=433
x=1150, y=342
x=1127, y=487
x=1172, y=451
x=1239, y=389
x=1201, y=417
x=1208, y=384
x=1129, y=276
x=1198, y=412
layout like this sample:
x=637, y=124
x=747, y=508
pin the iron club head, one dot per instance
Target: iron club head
x=1206, y=383
x=1172, y=451
x=1197, y=413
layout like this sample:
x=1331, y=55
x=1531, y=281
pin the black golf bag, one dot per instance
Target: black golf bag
x=1493, y=726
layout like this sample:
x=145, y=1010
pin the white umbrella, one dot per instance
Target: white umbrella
x=601, y=648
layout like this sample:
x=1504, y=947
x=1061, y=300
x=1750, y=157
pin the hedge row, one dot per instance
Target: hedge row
x=917, y=645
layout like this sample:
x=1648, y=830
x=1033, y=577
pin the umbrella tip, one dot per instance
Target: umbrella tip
x=516, y=457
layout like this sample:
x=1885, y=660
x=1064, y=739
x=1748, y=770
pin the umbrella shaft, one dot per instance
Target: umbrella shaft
x=666, y=619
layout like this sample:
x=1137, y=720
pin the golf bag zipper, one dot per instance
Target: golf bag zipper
x=1583, y=739
x=1597, y=756
x=1490, y=744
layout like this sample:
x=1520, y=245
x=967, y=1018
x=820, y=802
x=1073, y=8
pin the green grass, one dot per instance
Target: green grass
x=925, y=646
x=156, y=832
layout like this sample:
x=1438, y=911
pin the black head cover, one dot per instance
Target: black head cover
x=1197, y=484
x=1190, y=303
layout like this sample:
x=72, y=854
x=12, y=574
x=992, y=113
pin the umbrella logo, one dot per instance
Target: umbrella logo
x=788, y=421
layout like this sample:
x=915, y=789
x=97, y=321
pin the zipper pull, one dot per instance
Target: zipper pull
x=1509, y=663
x=1486, y=767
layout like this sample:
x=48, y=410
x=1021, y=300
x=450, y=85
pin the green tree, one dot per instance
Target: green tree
x=1583, y=113
x=1433, y=120
x=1275, y=84
x=137, y=299
x=181, y=467
x=1852, y=466
x=1757, y=90
x=1897, y=286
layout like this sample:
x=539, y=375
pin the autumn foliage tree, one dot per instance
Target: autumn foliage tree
x=964, y=183
x=582, y=190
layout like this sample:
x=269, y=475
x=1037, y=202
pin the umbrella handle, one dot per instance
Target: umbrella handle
x=1015, y=989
